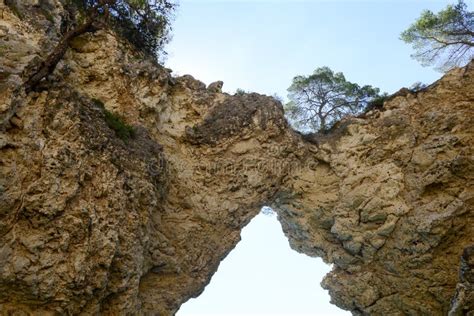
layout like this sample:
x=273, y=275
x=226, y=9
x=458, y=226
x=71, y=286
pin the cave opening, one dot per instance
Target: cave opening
x=264, y=276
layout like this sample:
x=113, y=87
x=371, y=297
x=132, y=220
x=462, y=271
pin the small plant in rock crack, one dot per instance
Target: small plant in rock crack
x=115, y=122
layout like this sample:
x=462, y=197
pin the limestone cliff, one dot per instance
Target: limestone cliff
x=93, y=223
x=394, y=207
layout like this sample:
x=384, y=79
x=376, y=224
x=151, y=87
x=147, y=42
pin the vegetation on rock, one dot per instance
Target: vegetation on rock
x=321, y=99
x=377, y=102
x=116, y=122
x=144, y=23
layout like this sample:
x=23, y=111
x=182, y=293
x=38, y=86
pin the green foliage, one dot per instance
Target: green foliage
x=445, y=39
x=321, y=99
x=377, y=102
x=144, y=23
x=240, y=92
x=116, y=123
x=122, y=129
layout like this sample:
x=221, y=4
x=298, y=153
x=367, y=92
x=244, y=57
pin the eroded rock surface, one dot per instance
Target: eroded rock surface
x=463, y=301
x=92, y=223
x=393, y=209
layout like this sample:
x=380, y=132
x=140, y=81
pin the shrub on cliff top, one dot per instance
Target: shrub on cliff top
x=144, y=23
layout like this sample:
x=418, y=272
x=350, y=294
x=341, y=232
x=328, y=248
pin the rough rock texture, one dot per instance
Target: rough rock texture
x=463, y=301
x=91, y=223
x=394, y=207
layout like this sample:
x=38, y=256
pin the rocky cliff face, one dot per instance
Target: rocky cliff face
x=393, y=210
x=93, y=223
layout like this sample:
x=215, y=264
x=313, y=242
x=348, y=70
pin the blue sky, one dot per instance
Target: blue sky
x=260, y=46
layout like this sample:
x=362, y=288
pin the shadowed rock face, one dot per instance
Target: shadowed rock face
x=463, y=301
x=91, y=223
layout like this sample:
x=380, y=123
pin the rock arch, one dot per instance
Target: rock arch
x=91, y=223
